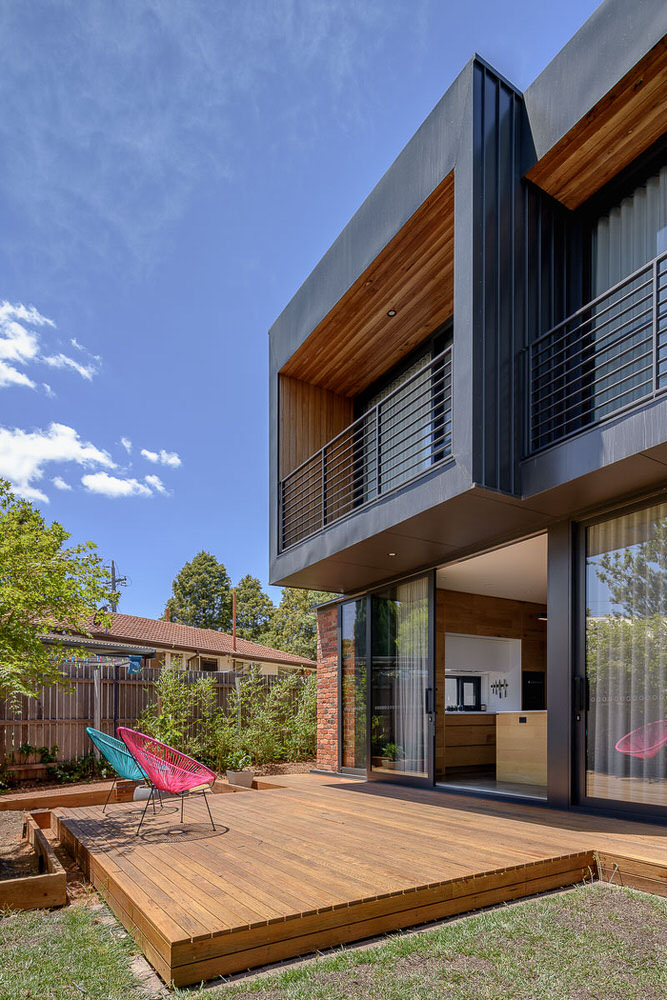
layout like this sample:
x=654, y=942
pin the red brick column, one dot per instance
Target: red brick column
x=327, y=689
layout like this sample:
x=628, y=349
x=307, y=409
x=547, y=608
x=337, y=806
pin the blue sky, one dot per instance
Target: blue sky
x=170, y=172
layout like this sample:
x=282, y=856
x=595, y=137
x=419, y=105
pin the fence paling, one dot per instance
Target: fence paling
x=59, y=715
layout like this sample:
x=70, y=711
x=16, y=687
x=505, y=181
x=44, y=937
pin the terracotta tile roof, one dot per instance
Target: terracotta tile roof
x=84, y=642
x=172, y=635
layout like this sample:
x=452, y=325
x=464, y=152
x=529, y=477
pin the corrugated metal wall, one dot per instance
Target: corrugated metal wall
x=527, y=275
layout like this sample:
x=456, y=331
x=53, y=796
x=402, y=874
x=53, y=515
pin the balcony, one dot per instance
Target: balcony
x=606, y=358
x=403, y=436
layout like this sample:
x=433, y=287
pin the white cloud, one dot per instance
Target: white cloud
x=23, y=455
x=156, y=484
x=21, y=333
x=169, y=458
x=75, y=343
x=62, y=361
x=114, y=486
x=60, y=483
x=48, y=391
x=127, y=445
x=10, y=376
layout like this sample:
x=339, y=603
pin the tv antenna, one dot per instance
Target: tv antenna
x=116, y=582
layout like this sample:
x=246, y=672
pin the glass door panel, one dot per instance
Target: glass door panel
x=353, y=684
x=400, y=729
x=626, y=658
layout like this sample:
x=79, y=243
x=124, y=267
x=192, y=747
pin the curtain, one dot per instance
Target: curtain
x=626, y=657
x=624, y=239
x=412, y=672
x=630, y=234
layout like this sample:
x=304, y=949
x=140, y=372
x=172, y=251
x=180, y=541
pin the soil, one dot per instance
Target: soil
x=301, y=767
x=17, y=859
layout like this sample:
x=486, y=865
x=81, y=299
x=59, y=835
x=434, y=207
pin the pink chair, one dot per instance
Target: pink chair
x=646, y=741
x=167, y=769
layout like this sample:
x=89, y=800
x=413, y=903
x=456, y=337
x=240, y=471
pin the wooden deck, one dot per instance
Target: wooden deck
x=325, y=860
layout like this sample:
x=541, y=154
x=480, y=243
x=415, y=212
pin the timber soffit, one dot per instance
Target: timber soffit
x=427, y=159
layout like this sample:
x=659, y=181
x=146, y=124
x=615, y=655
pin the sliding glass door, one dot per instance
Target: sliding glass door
x=624, y=700
x=353, y=685
x=401, y=688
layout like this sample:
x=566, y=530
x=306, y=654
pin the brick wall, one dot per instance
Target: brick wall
x=327, y=689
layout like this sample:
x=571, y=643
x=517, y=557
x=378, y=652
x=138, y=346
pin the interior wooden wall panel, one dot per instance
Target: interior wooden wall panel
x=357, y=342
x=309, y=417
x=477, y=614
x=621, y=126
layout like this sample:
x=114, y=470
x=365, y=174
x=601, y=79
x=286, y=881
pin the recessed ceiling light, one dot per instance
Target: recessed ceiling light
x=391, y=553
x=391, y=312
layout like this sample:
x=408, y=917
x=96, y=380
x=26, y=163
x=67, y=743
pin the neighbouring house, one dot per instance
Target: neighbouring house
x=199, y=648
x=468, y=439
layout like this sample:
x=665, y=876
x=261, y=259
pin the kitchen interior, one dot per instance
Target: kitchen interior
x=491, y=710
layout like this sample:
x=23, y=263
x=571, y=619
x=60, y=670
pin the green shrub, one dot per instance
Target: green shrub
x=264, y=724
x=184, y=715
x=85, y=768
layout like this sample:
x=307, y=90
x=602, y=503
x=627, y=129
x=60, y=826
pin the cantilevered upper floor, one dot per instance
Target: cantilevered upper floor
x=484, y=347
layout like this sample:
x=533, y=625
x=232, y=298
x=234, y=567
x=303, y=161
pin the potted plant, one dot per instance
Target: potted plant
x=238, y=769
x=392, y=753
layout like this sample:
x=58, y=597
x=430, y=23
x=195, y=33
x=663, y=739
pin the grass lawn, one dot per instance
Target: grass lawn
x=62, y=954
x=591, y=943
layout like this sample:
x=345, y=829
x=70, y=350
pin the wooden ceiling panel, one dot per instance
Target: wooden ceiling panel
x=357, y=342
x=621, y=126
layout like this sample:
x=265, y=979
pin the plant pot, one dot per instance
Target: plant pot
x=242, y=778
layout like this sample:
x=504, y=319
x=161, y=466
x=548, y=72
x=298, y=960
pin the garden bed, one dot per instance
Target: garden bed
x=32, y=876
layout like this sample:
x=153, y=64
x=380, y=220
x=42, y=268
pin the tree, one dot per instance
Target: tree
x=254, y=609
x=201, y=594
x=44, y=586
x=294, y=624
x=636, y=577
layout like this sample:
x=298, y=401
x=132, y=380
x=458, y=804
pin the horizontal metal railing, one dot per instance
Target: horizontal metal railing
x=401, y=437
x=608, y=356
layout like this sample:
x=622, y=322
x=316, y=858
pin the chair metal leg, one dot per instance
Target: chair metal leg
x=182, y=800
x=144, y=812
x=113, y=785
x=159, y=795
x=153, y=803
x=209, y=810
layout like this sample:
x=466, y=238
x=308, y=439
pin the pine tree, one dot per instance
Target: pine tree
x=202, y=594
x=254, y=609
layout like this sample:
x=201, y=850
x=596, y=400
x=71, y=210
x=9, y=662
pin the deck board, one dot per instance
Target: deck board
x=326, y=860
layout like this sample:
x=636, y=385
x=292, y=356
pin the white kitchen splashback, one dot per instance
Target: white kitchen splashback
x=493, y=658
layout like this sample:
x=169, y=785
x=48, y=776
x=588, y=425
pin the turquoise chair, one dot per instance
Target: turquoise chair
x=120, y=758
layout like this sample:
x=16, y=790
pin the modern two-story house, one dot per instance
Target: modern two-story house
x=468, y=411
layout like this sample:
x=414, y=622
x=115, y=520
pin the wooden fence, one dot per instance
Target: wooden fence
x=59, y=716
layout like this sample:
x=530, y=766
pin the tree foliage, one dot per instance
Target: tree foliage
x=202, y=595
x=294, y=624
x=265, y=722
x=254, y=609
x=44, y=586
x=637, y=577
